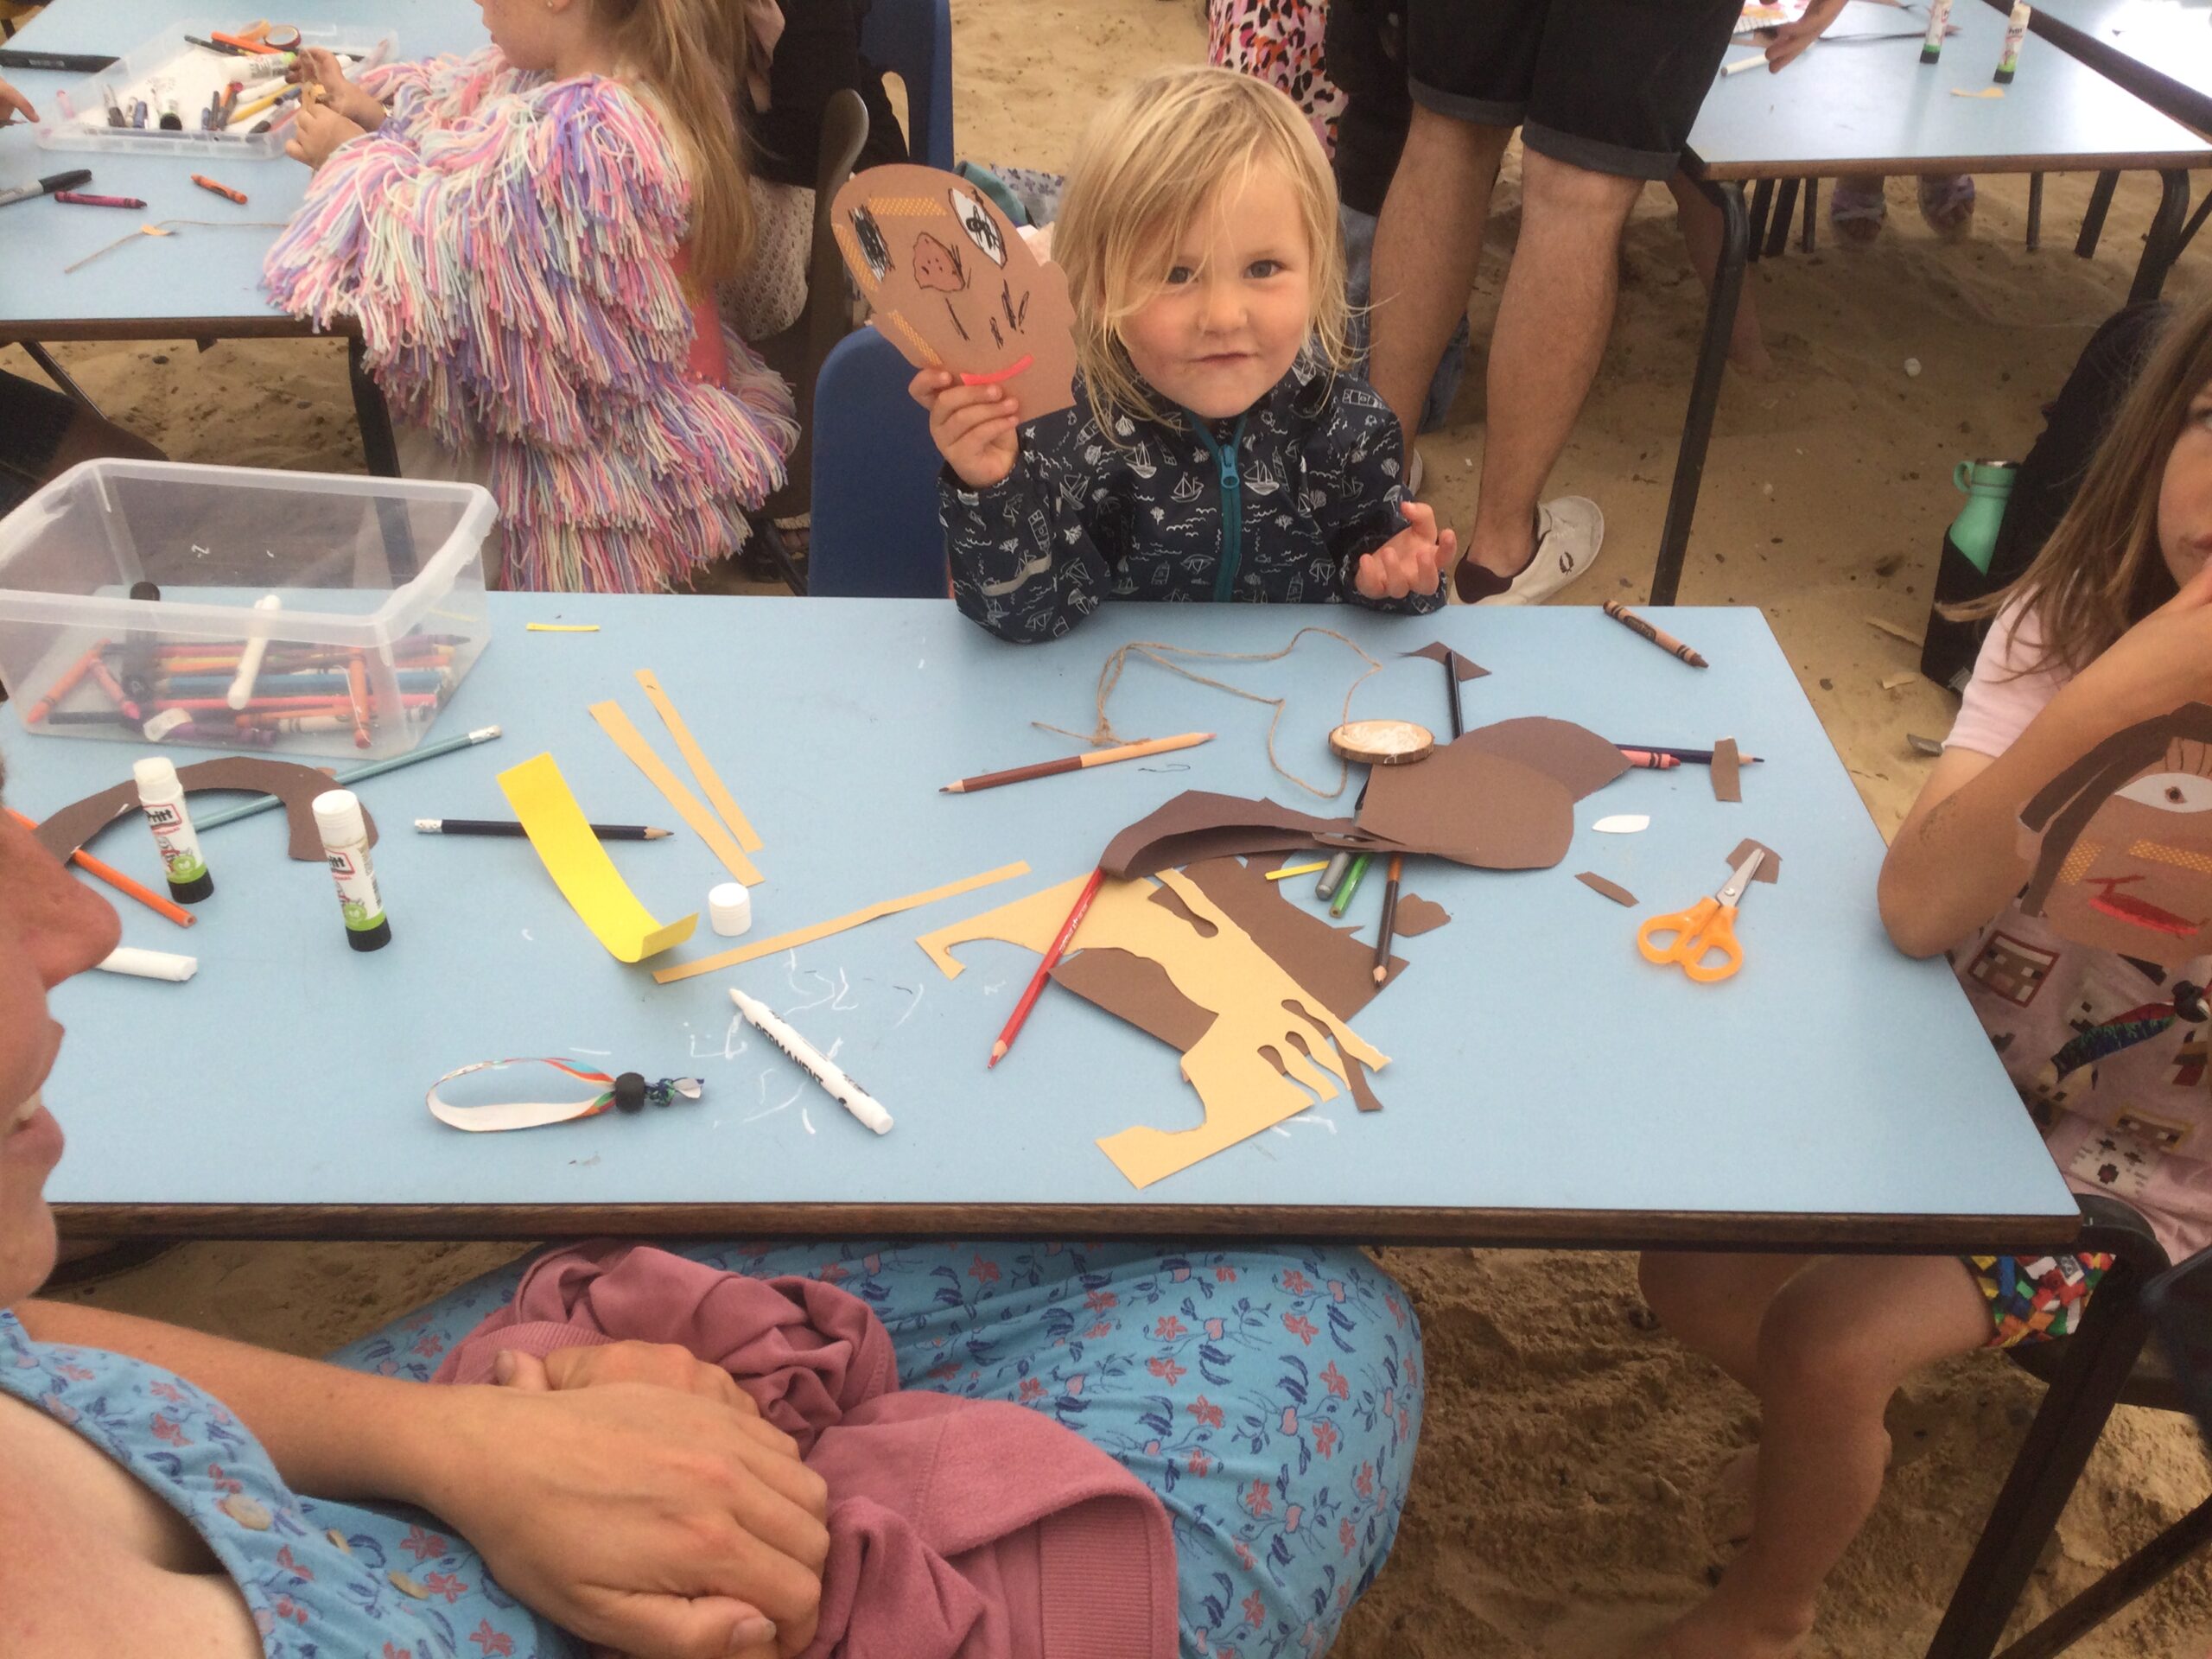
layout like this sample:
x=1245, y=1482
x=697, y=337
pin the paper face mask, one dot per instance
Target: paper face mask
x=954, y=286
x=2122, y=841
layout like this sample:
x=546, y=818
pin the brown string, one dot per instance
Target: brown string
x=162, y=227
x=1156, y=651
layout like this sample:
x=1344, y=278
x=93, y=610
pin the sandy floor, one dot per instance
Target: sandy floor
x=1562, y=1502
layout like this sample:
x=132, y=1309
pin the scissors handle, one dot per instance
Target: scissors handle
x=1701, y=941
x=1663, y=938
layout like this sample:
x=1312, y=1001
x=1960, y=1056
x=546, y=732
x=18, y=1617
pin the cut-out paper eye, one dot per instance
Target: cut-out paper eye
x=982, y=230
x=873, y=249
x=2171, y=791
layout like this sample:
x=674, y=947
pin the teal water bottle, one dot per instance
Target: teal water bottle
x=1987, y=486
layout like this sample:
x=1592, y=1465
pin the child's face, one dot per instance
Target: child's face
x=1236, y=303
x=2185, y=493
x=528, y=32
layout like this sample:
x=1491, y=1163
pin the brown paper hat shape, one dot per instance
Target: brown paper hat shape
x=953, y=285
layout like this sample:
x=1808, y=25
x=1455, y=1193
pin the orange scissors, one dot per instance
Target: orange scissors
x=1701, y=940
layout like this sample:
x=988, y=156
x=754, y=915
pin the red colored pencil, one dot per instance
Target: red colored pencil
x=1045, y=970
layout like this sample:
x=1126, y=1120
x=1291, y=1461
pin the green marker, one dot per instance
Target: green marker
x=1351, y=885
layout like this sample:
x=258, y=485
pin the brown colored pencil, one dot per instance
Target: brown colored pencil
x=121, y=883
x=1389, y=919
x=1077, y=762
x=1045, y=970
x=1659, y=637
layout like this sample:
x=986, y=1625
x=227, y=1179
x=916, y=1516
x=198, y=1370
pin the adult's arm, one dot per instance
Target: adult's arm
x=659, y=1522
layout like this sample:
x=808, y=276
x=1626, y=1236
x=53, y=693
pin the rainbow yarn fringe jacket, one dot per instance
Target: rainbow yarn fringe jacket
x=512, y=249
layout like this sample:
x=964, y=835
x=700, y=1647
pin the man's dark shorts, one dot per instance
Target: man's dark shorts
x=1607, y=86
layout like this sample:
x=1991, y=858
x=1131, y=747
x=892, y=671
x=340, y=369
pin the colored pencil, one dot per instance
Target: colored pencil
x=1351, y=884
x=123, y=883
x=509, y=827
x=1690, y=757
x=1077, y=762
x=108, y=683
x=349, y=779
x=1389, y=918
x=1000, y=1048
x=1659, y=637
x=1451, y=695
x=1289, y=870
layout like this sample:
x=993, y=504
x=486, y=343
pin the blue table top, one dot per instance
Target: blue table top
x=1545, y=1082
x=197, y=282
x=1870, y=107
x=2162, y=49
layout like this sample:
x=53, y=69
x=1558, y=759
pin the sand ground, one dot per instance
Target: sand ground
x=1562, y=1502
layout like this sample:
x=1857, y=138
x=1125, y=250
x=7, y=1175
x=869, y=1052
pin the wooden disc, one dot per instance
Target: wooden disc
x=1382, y=742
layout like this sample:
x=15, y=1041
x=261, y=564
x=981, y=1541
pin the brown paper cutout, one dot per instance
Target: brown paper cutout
x=1468, y=804
x=2121, y=842
x=1131, y=988
x=1417, y=916
x=1770, y=867
x=76, y=824
x=1230, y=976
x=1199, y=825
x=954, y=285
x=1463, y=668
x=1612, y=890
x=1727, y=765
x=1575, y=755
x=1362, y=1092
x=1329, y=961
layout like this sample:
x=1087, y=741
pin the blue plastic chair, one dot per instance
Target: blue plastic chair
x=912, y=39
x=875, y=526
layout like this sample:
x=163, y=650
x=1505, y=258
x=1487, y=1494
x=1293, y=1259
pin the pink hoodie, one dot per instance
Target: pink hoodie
x=958, y=1529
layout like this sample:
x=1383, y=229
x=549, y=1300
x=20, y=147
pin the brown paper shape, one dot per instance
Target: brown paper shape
x=1575, y=755
x=1417, y=916
x=1198, y=824
x=1331, y=961
x=1727, y=767
x=954, y=286
x=1229, y=976
x=1362, y=1092
x=1130, y=988
x=1770, y=867
x=1472, y=806
x=75, y=825
x=1463, y=668
x=1612, y=890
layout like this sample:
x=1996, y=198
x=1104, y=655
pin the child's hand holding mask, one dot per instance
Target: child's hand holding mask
x=1412, y=562
x=972, y=426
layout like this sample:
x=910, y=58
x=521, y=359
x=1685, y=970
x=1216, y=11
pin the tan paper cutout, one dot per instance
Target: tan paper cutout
x=1727, y=768
x=701, y=768
x=1227, y=974
x=953, y=284
x=71, y=827
x=876, y=912
x=704, y=824
x=1612, y=890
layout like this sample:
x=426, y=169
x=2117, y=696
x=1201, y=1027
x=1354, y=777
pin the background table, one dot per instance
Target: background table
x=2160, y=50
x=1546, y=1083
x=198, y=284
x=1870, y=108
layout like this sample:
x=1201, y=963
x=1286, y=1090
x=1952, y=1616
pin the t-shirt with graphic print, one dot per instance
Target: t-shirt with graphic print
x=2109, y=1051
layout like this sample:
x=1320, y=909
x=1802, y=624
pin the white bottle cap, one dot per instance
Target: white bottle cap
x=338, y=815
x=729, y=906
x=157, y=777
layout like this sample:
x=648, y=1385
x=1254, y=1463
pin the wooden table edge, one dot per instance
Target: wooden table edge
x=1594, y=1230
x=66, y=330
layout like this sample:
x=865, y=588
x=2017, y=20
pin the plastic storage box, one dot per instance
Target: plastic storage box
x=378, y=612
x=76, y=117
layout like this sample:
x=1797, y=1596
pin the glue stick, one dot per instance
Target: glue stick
x=2016, y=31
x=1939, y=20
x=346, y=844
x=162, y=796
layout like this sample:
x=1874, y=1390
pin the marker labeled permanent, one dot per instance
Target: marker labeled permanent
x=346, y=844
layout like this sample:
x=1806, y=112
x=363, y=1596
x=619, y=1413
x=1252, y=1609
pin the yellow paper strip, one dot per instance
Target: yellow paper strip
x=616, y=724
x=701, y=768
x=580, y=866
x=560, y=627
x=823, y=929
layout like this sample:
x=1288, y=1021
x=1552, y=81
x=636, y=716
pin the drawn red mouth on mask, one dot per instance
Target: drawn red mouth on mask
x=2137, y=913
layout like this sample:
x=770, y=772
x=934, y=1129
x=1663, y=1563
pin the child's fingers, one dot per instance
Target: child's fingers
x=2195, y=594
x=926, y=385
x=1419, y=516
x=1367, y=576
x=954, y=420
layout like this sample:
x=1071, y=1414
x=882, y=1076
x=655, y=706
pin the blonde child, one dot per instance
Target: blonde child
x=529, y=238
x=2106, y=635
x=1218, y=449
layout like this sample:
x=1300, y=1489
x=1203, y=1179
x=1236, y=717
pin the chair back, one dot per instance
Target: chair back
x=876, y=525
x=912, y=39
x=2179, y=1302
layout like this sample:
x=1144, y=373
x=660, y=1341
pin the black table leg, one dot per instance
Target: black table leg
x=1805, y=238
x=1777, y=228
x=2162, y=246
x=1705, y=388
x=1762, y=205
x=2060, y=1440
x=59, y=376
x=2092, y=222
x=380, y=450
x=2171, y=1549
x=2196, y=224
x=2035, y=212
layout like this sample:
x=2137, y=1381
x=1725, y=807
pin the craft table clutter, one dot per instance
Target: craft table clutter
x=1535, y=1076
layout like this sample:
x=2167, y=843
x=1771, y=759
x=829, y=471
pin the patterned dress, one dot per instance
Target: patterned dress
x=1272, y=1398
x=1277, y=41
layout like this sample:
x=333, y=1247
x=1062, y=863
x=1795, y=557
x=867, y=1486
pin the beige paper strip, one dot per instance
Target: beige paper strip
x=627, y=738
x=840, y=924
x=701, y=768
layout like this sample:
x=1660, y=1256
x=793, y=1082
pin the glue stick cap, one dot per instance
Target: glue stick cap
x=729, y=906
x=156, y=777
x=338, y=815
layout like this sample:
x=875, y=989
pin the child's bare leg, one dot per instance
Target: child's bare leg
x=1837, y=1340
x=1701, y=235
x=1713, y=1304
